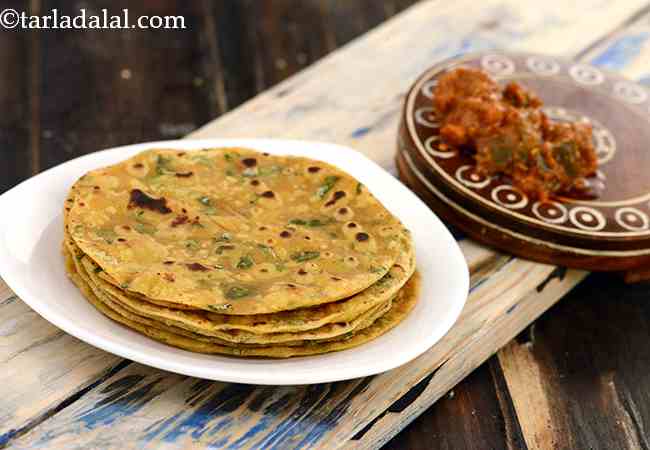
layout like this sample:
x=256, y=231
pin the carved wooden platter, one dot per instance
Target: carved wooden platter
x=607, y=230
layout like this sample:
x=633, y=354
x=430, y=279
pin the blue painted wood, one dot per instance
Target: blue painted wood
x=621, y=51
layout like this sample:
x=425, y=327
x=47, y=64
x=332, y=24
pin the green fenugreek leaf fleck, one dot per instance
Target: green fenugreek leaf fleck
x=220, y=308
x=222, y=248
x=318, y=222
x=245, y=262
x=385, y=279
x=107, y=235
x=305, y=256
x=192, y=244
x=268, y=250
x=327, y=186
x=162, y=165
x=235, y=292
x=311, y=222
x=225, y=237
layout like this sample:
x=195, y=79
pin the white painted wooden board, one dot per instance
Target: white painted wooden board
x=351, y=97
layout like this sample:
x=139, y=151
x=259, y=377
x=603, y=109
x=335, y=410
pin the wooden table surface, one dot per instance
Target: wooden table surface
x=579, y=377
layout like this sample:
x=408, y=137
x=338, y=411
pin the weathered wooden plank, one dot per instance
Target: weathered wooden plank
x=25, y=334
x=238, y=54
x=286, y=37
x=108, y=128
x=567, y=386
x=463, y=360
x=261, y=44
x=366, y=15
x=93, y=89
x=14, y=103
x=353, y=96
x=627, y=51
x=105, y=88
x=579, y=377
x=175, y=411
x=472, y=409
x=348, y=122
x=40, y=366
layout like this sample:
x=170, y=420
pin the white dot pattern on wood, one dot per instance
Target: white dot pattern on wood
x=514, y=66
x=428, y=87
x=431, y=145
x=587, y=218
x=550, y=212
x=630, y=92
x=632, y=219
x=498, y=64
x=587, y=75
x=426, y=117
x=468, y=177
x=509, y=197
x=542, y=66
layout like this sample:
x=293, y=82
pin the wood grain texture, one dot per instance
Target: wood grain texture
x=580, y=380
x=472, y=408
x=14, y=102
x=322, y=102
x=91, y=90
x=100, y=89
x=495, y=332
x=40, y=366
x=113, y=88
x=28, y=336
x=173, y=411
x=144, y=406
x=483, y=208
x=579, y=385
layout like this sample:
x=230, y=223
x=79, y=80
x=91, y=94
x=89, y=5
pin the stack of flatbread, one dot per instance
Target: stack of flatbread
x=237, y=252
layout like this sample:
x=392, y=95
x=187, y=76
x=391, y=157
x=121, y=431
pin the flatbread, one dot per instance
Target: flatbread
x=327, y=331
x=80, y=277
x=287, y=321
x=234, y=231
x=401, y=306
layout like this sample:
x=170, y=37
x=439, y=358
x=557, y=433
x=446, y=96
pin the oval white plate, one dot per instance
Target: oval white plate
x=32, y=265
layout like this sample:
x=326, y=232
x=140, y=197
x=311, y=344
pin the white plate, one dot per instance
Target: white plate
x=32, y=265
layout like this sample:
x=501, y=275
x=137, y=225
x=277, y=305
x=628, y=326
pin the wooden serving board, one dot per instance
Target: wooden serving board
x=605, y=228
x=58, y=392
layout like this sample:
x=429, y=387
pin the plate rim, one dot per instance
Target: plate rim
x=255, y=376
